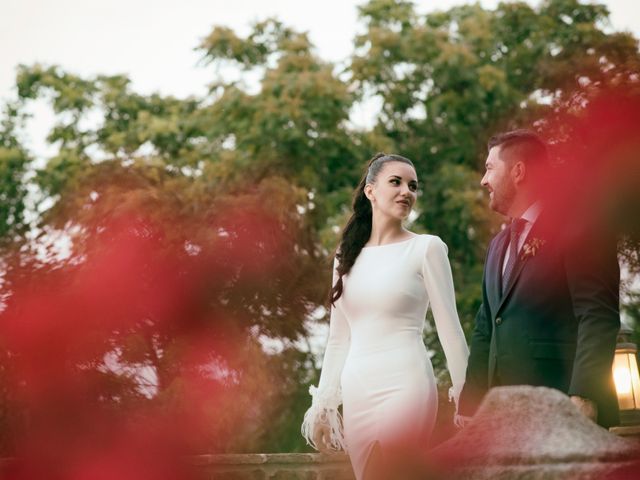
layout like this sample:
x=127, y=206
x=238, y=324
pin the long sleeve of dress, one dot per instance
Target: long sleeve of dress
x=438, y=280
x=327, y=396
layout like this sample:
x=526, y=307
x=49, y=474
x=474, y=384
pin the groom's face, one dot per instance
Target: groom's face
x=498, y=181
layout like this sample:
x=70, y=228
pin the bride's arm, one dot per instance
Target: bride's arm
x=438, y=280
x=327, y=396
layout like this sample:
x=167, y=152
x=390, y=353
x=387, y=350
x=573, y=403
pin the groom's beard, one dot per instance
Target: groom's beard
x=502, y=198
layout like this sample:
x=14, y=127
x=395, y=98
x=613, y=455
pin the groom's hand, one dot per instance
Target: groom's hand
x=588, y=408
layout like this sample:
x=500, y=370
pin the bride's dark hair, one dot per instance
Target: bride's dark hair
x=358, y=229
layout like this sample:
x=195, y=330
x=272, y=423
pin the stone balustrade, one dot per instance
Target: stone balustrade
x=275, y=466
x=519, y=432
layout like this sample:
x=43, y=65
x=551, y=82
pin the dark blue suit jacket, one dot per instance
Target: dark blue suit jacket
x=556, y=323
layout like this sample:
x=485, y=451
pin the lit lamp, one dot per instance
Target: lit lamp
x=626, y=378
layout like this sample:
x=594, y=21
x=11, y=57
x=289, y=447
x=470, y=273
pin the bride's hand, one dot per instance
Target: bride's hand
x=461, y=421
x=322, y=437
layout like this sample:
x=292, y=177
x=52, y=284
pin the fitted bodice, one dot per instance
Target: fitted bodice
x=384, y=297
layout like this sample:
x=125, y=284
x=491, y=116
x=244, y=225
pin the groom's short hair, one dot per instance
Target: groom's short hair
x=523, y=145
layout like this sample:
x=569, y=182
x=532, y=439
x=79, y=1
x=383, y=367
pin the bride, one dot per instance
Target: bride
x=376, y=364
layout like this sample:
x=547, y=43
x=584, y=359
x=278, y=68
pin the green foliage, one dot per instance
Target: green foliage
x=13, y=168
x=267, y=39
x=13, y=163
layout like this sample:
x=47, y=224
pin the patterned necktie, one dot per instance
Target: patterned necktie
x=516, y=227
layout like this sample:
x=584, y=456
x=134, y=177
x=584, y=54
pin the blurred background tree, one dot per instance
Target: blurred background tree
x=280, y=140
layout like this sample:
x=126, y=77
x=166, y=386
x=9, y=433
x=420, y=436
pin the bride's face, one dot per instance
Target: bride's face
x=394, y=191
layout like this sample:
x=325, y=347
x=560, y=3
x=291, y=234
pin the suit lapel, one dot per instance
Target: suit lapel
x=494, y=275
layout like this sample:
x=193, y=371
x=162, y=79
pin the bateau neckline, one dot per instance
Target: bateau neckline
x=394, y=243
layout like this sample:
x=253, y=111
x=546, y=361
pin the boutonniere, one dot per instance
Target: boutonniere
x=531, y=247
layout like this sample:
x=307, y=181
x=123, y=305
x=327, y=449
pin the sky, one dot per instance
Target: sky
x=153, y=42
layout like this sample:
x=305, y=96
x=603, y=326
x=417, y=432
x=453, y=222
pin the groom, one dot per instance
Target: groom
x=550, y=291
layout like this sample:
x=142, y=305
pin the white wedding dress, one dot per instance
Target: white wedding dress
x=376, y=363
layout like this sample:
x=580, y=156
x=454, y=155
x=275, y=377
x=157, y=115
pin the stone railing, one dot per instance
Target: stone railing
x=518, y=433
x=275, y=466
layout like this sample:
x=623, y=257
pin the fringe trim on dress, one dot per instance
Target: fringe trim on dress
x=324, y=410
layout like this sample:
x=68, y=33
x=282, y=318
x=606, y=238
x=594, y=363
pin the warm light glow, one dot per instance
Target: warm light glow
x=622, y=377
x=626, y=379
